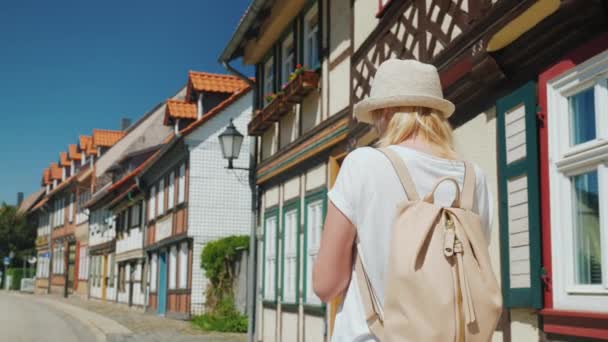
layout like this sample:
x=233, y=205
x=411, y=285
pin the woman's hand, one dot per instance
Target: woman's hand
x=333, y=265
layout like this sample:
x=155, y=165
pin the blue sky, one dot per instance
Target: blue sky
x=67, y=67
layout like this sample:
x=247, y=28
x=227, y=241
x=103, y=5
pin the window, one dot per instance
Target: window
x=161, y=197
x=71, y=207
x=171, y=190
x=172, y=267
x=311, y=38
x=291, y=220
x=83, y=263
x=270, y=256
x=121, y=278
x=81, y=215
x=152, y=204
x=58, y=260
x=183, y=265
x=181, y=186
x=287, y=59
x=135, y=215
x=315, y=212
x=577, y=108
x=153, y=270
x=268, y=78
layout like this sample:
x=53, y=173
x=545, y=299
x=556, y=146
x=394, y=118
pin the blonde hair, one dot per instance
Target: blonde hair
x=397, y=124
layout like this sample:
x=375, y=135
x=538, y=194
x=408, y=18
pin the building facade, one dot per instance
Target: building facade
x=523, y=76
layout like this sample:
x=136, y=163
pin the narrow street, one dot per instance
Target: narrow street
x=28, y=318
x=23, y=319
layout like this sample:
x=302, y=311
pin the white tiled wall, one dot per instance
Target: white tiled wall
x=130, y=241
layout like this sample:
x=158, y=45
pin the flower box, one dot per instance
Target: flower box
x=302, y=84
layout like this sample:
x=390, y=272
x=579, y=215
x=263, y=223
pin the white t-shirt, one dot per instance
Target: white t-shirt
x=367, y=192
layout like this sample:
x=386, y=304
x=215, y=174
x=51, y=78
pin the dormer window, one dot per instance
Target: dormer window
x=288, y=58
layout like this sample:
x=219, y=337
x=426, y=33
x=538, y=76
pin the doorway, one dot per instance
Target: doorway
x=162, y=283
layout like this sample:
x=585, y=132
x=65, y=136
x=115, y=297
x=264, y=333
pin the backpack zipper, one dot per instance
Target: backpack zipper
x=450, y=241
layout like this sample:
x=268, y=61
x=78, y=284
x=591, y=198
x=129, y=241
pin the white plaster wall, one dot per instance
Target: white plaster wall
x=316, y=177
x=271, y=197
x=270, y=318
x=310, y=111
x=269, y=142
x=365, y=20
x=339, y=80
x=138, y=294
x=289, y=128
x=289, y=326
x=291, y=189
x=314, y=327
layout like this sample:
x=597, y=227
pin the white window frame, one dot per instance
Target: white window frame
x=134, y=217
x=288, y=60
x=152, y=203
x=181, y=184
x=269, y=77
x=270, y=262
x=290, y=255
x=314, y=225
x=173, y=267
x=183, y=265
x=566, y=161
x=311, y=33
x=171, y=191
x=160, y=210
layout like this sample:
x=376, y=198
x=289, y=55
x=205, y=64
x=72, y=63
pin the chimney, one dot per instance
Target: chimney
x=125, y=123
x=19, y=198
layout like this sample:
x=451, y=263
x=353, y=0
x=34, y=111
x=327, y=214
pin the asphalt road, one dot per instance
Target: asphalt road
x=23, y=319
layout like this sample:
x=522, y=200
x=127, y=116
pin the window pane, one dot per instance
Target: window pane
x=582, y=116
x=587, y=246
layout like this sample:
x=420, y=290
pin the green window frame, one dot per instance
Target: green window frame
x=273, y=212
x=293, y=205
x=312, y=197
x=518, y=182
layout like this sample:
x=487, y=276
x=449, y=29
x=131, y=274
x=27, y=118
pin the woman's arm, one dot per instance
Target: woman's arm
x=333, y=265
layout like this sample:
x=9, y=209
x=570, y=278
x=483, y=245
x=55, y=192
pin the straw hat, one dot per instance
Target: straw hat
x=400, y=83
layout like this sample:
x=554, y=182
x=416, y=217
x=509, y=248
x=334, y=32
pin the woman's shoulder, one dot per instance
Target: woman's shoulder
x=363, y=156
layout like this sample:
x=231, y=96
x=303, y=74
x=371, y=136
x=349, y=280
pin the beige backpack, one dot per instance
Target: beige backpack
x=439, y=282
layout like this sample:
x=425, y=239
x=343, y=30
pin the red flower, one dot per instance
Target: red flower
x=298, y=66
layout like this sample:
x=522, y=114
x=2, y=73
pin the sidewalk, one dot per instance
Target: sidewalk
x=145, y=327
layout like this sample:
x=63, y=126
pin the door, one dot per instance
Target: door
x=71, y=265
x=104, y=277
x=131, y=280
x=162, y=283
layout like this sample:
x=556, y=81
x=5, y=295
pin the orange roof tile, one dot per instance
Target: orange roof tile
x=85, y=141
x=106, y=138
x=178, y=109
x=73, y=153
x=63, y=159
x=204, y=81
x=56, y=172
x=215, y=110
x=46, y=176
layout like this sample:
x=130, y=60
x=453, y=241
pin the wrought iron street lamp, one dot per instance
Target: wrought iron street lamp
x=230, y=142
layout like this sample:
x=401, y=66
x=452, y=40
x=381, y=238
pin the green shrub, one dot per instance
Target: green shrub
x=218, y=259
x=224, y=318
x=18, y=274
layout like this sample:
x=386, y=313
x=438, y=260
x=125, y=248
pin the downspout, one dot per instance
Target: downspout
x=252, y=262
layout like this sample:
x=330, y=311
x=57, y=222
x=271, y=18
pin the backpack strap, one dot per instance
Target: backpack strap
x=402, y=172
x=468, y=188
x=373, y=317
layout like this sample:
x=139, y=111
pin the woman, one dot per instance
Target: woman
x=407, y=108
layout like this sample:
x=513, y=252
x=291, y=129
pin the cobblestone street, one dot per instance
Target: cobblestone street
x=146, y=327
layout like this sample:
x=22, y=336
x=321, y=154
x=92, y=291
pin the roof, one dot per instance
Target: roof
x=63, y=159
x=42, y=202
x=73, y=152
x=106, y=138
x=215, y=110
x=177, y=109
x=56, y=172
x=63, y=185
x=86, y=145
x=232, y=50
x=30, y=200
x=46, y=176
x=222, y=83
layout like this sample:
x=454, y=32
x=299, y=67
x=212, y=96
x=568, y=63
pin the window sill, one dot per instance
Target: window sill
x=575, y=323
x=315, y=309
x=269, y=304
x=289, y=307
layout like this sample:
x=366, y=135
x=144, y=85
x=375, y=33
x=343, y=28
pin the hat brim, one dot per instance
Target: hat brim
x=363, y=109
